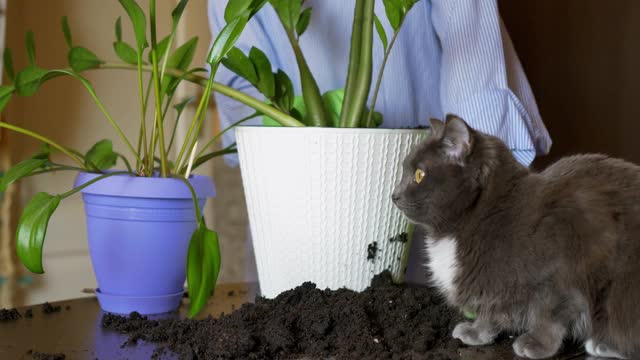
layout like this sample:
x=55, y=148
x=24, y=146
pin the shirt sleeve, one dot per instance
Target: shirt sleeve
x=481, y=78
x=230, y=110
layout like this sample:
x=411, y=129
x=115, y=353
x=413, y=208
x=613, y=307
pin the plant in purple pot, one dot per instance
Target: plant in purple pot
x=145, y=228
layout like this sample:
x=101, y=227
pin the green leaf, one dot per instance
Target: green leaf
x=381, y=33
x=240, y=64
x=81, y=59
x=284, y=90
x=45, y=152
x=101, y=156
x=298, y=111
x=227, y=38
x=126, y=52
x=181, y=105
x=203, y=267
x=8, y=64
x=303, y=21
x=31, y=48
x=288, y=12
x=236, y=7
x=29, y=80
x=119, y=29
x=266, y=83
x=406, y=5
x=376, y=117
x=32, y=229
x=174, y=84
x=176, y=14
x=393, y=11
x=5, y=95
x=180, y=59
x=139, y=22
x=161, y=46
x=66, y=31
x=19, y=171
x=333, y=101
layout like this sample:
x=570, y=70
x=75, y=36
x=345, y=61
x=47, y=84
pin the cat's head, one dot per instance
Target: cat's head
x=444, y=176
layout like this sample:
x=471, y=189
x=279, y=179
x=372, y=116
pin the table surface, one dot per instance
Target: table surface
x=76, y=331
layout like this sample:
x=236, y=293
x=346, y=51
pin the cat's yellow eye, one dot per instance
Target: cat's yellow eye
x=418, y=176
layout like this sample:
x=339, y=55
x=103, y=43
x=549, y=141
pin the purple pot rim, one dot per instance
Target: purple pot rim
x=146, y=187
x=140, y=297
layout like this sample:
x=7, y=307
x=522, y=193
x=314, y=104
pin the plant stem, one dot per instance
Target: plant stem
x=158, y=96
x=362, y=83
x=59, y=167
x=173, y=133
x=405, y=257
x=196, y=119
x=90, y=182
x=316, y=114
x=142, y=137
x=204, y=158
x=354, y=61
x=44, y=139
x=212, y=141
x=202, y=116
x=195, y=199
x=126, y=162
x=93, y=94
x=270, y=111
x=369, y=122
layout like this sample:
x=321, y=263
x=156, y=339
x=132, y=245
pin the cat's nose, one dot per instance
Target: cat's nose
x=395, y=197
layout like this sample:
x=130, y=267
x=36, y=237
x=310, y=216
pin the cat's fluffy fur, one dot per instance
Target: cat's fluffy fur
x=547, y=255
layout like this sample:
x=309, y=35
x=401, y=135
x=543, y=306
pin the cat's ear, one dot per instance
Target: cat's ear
x=456, y=140
x=437, y=128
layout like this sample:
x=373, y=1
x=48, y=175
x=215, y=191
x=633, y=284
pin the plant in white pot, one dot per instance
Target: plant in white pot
x=318, y=189
x=145, y=229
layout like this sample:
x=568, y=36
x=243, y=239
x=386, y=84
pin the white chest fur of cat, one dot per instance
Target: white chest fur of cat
x=443, y=264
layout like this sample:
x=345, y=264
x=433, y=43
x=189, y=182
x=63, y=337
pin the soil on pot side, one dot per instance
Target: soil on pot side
x=401, y=238
x=372, y=250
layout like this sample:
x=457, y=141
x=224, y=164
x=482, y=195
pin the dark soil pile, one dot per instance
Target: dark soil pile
x=49, y=309
x=9, y=314
x=384, y=321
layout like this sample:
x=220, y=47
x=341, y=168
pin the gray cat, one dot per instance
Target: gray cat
x=548, y=256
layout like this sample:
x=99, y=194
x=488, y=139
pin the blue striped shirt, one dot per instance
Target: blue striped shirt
x=451, y=56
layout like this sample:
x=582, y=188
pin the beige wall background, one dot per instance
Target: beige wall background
x=63, y=110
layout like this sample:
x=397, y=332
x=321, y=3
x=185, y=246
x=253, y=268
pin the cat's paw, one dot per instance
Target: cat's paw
x=601, y=350
x=530, y=347
x=472, y=335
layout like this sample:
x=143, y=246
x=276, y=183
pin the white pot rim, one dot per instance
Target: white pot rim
x=327, y=130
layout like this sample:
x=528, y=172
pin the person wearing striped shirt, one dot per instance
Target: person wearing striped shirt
x=451, y=56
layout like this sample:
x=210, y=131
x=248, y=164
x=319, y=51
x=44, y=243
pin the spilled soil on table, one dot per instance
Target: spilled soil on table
x=36, y=355
x=384, y=321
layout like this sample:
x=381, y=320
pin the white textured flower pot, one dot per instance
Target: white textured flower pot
x=318, y=199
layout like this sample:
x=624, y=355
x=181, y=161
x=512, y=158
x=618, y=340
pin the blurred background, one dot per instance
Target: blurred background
x=581, y=57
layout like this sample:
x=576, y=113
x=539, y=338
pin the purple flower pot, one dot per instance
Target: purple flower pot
x=139, y=230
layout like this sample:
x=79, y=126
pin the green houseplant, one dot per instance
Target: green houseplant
x=343, y=108
x=148, y=157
